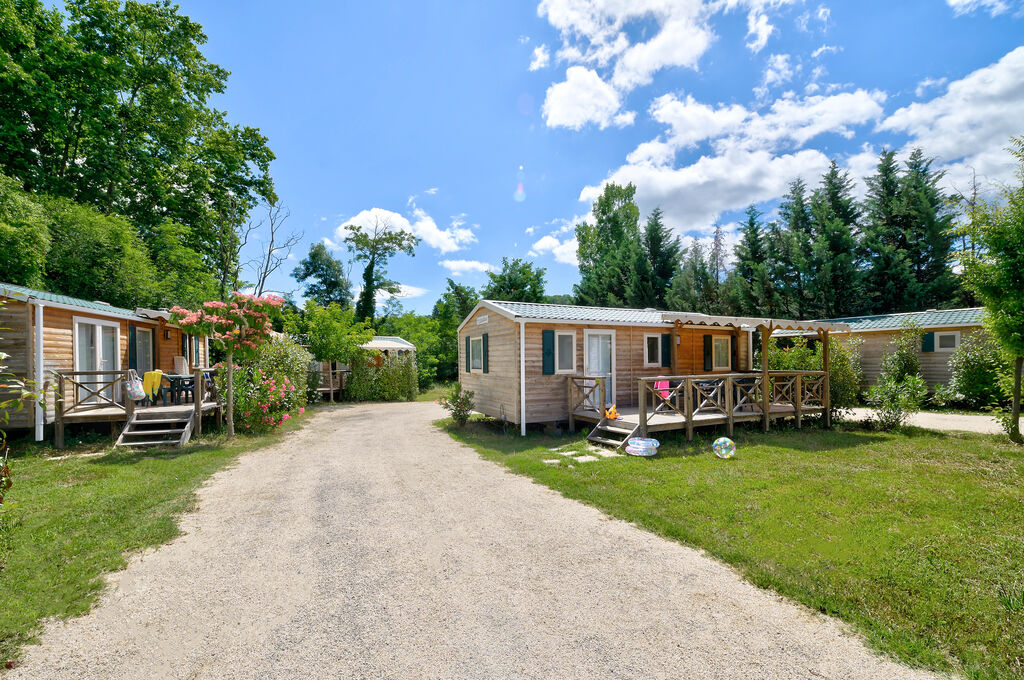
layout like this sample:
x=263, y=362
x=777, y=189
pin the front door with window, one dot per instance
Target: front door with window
x=96, y=349
x=599, y=360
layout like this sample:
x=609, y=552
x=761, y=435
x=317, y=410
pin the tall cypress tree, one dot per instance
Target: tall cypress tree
x=604, y=263
x=889, y=283
x=795, y=213
x=836, y=288
x=663, y=251
x=750, y=266
x=929, y=229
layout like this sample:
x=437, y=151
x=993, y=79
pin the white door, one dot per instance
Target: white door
x=96, y=349
x=599, y=360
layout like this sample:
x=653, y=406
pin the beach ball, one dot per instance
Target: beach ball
x=724, y=447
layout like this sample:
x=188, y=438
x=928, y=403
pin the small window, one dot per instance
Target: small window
x=947, y=342
x=652, y=350
x=722, y=354
x=476, y=354
x=565, y=352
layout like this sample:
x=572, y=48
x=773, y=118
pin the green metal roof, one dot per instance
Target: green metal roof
x=933, y=318
x=15, y=291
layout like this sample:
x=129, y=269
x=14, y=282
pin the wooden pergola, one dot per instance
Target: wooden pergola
x=767, y=327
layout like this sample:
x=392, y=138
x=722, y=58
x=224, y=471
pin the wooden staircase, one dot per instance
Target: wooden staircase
x=613, y=433
x=157, y=429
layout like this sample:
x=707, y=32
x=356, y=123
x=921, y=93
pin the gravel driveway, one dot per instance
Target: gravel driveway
x=370, y=545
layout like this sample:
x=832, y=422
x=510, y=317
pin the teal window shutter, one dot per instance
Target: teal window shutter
x=928, y=342
x=708, y=365
x=467, y=355
x=547, y=352
x=666, y=349
x=485, y=352
x=735, y=353
x=133, y=357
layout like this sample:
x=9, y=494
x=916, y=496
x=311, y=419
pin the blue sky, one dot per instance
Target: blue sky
x=428, y=114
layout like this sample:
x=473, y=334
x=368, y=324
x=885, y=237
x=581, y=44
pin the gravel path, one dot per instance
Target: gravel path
x=370, y=545
x=943, y=421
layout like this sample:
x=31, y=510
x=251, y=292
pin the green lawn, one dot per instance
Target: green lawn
x=71, y=520
x=435, y=391
x=917, y=539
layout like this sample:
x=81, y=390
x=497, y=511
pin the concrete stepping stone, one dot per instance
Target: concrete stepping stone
x=585, y=459
x=552, y=461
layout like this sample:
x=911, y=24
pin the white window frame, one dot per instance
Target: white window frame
x=647, y=360
x=728, y=366
x=587, y=332
x=472, y=341
x=152, y=344
x=946, y=350
x=77, y=321
x=567, y=371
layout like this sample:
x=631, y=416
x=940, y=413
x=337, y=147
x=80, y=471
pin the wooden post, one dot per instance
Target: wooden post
x=643, y=407
x=766, y=334
x=688, y=405
x=798, y=398
x=198, y=388
x=572, y=415
x=826, y=395
x=728, y=405
x=58, y=413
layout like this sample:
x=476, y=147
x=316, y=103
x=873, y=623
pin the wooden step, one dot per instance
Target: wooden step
x=161, y=442
x=616, y=428
x=140, y=433
x=609, y=442
x=154, y=421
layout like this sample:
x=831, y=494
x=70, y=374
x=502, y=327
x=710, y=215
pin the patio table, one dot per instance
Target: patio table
x=180, y=384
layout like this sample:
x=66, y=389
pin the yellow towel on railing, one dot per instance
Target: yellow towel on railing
x=151, y=383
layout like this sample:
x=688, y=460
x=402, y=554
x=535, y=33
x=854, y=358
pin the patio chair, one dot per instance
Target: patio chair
x=181, y=365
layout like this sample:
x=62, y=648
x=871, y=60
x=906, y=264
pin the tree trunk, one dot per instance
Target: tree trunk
x=231, y=394
x=1015, y=409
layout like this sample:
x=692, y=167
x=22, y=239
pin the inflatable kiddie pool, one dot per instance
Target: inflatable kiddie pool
x=642, y=446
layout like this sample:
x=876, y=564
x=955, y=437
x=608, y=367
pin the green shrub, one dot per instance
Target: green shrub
x=844, y=374
x=896, y=400
x=459, y=404
x=395, y=379
x=901, y=360
x=975, y=367
x=271, y=387
x=944, y=395
x=313, y=379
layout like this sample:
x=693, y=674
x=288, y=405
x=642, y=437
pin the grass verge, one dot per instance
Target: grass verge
x=914, y=538
x=69, y=520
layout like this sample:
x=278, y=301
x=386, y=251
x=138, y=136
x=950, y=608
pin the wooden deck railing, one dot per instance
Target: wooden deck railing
x=586, y=393
x=730, y=397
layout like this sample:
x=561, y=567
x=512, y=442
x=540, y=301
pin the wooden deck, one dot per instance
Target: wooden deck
x=691, y=401
x=658, y=422
x=113, y=414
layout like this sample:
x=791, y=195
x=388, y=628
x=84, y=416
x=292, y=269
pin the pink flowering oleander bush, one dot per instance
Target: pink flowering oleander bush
x=270, y=385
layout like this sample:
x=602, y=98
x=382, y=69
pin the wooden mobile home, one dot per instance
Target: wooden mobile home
x=943, y=330
x=538, y=363
x=53, y=339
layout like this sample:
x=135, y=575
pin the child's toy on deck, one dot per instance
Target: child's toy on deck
x=612, y=413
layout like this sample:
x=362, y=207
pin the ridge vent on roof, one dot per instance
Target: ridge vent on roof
x=103, y=302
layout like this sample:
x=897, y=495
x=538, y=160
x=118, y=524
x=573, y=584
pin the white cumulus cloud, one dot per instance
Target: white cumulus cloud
x=563, y=251
x=541, y=58
x=759, y=29
x=460, y=267
x=583, y=98
x=446, y=240
x=993, y=7
x=970, y=124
